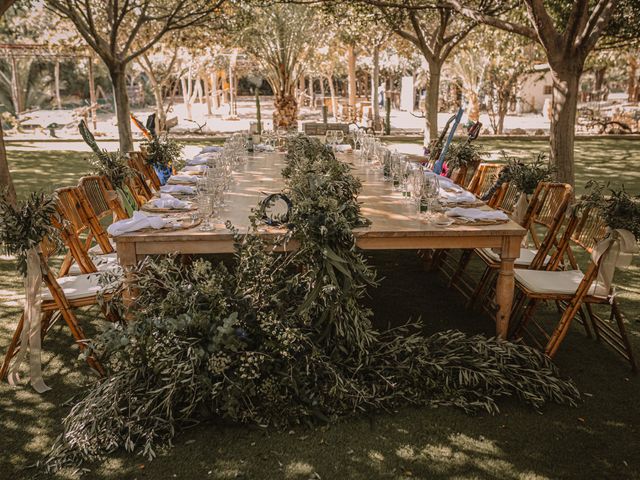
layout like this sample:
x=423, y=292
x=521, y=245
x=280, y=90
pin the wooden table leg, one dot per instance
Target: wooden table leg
x=506, y=283
x=128, y=260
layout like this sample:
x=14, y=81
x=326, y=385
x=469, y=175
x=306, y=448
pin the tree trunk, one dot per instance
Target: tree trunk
x=92, y=95
x=563, y=120
x=123, y=113
x=334, y=99
x=214, y=90
x=185, y=83
x=632, y=78
x=56, y=78
x=503, y=107
x=375, y=80
x=232, y=92
x=207, y=94
x=161, y=116
x=433, y=98
x=286, y=110
x=6, y=183
x=352, y=78
x=474, y=106
x=16, y=94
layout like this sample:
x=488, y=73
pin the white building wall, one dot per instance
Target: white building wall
x=533, y=94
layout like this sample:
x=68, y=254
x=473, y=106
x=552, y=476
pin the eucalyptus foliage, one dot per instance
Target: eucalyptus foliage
x=619, y=208
x=283, y=338
x=463, y=154
x=24, y=225
x=162, y=151
x=524, y=175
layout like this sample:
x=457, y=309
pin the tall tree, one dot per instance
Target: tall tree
x=568, y=32
x=119, y=32
x=280, y=39
x=6, y=183
x=435, y=31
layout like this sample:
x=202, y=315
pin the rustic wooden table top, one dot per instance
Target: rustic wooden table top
x=390, y=215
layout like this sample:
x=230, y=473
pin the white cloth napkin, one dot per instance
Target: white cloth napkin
x=195, y=168
x=261, y=147
x=211, y=149
x=197, y=160
x=139, y=221
x=175, y=179
x=168, y=201
x=458, y=196
x=186, y=189
x=476, y=214
x=343, y=148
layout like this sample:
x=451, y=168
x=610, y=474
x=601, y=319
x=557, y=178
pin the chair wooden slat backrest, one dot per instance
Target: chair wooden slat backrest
x=484, y=178
x=78, y=211
x=139, y=188
x=137, y=161
x=102, y=197
x=506, y=197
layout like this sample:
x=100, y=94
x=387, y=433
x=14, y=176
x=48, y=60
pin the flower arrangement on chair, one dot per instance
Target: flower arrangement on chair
x=112, y=165
x=161, y=152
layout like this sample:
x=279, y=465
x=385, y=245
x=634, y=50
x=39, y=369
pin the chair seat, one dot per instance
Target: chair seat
x=96, y=250
x=524, y=260
x=564, y=282
x=76, y=287
x=103, y=263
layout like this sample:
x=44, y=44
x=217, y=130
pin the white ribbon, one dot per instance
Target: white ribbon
x=31, y=335
x=616, y=250
x=520, y=209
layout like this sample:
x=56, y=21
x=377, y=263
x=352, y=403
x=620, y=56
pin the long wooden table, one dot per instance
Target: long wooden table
x=394, y=226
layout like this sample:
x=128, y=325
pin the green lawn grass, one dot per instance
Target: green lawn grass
x=598, y=439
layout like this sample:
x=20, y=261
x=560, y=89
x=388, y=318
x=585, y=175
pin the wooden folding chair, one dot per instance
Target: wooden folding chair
x=484, y=178
x=571, y=289
x=137, y=161
x=461, y=175
x=75, y=207
x=547, y=210
x=140, y=190
x=60, y=297
x=102, y=197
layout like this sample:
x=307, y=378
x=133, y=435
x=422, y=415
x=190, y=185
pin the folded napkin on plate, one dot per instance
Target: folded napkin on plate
x=168, y=201
x=261, y=147
x=211, y=149
x=457, y=196
x=175, y=179
x=195, y=168
x=139, y=221
x=477, y=215
x=186, y=189
x=197, y=161
x=343, y=148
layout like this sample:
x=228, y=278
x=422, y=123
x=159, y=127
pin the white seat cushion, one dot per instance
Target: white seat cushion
x=102, y=262
x=564, y=282
x=96, y=250
x=526, y=256
x=76, y=287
